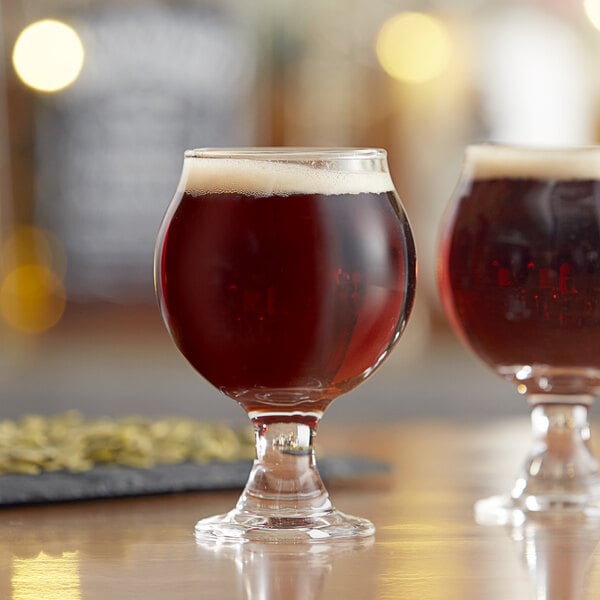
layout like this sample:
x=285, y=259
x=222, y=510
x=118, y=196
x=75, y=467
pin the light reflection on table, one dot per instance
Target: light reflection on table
x=46, y=576
x=427, y=546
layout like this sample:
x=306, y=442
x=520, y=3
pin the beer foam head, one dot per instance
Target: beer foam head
x=202, y=175
x=487, y=161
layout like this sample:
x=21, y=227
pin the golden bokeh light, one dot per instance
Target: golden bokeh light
x=32, y=266
x=30, y=244
x=48, y=55
x=32, y=298
x=46, y=576
x=413, y=47
x=592, y=11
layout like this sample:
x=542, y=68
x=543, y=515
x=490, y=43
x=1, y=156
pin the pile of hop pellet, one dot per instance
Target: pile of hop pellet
x=70, y=442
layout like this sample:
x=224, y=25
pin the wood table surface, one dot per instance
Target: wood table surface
x=427, y=546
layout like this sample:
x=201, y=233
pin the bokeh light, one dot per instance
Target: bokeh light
x=29, y=244
x=413, y=47
x=32, y=267
x=48, y=55
x=592, y=11
x=32, y=298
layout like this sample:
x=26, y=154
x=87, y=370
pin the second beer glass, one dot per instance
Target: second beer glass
x=520, y=279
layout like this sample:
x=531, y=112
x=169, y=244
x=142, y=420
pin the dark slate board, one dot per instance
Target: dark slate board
x=117, y=481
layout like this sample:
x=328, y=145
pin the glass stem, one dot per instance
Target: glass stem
x=561, y=462
x=284, y=479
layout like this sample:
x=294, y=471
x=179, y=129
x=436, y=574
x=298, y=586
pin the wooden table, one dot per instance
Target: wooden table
x=427, y=546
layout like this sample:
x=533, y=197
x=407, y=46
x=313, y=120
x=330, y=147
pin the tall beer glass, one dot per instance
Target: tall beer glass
x=520, y=280
x=285, y=277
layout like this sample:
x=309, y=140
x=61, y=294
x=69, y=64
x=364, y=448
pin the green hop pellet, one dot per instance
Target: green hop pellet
x=69, y=442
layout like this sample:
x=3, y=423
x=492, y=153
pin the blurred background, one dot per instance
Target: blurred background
x=98, y=101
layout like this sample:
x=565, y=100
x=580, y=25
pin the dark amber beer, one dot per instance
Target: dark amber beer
x=286, y=295
x=521, y=270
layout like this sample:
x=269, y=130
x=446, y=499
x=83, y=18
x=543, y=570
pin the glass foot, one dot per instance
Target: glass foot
x=323, y=527
x=506, y=510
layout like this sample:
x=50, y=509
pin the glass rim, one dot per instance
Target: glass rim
x=288, y=153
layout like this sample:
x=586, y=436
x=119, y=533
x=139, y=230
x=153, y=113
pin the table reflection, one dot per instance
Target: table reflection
x=291, y=571
x=558, y=552
x=65, y=551
x=46, y=576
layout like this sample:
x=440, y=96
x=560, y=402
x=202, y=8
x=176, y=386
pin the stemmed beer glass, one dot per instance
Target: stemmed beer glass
x=519, y=275
x=285, y=276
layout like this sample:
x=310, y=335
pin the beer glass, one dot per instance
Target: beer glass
x=519, y=275
x=285, y=277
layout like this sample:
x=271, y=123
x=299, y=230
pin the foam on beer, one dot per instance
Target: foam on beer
x=493, y=162
x=265, y=178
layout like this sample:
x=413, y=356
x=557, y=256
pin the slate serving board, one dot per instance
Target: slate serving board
x=116, y=481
